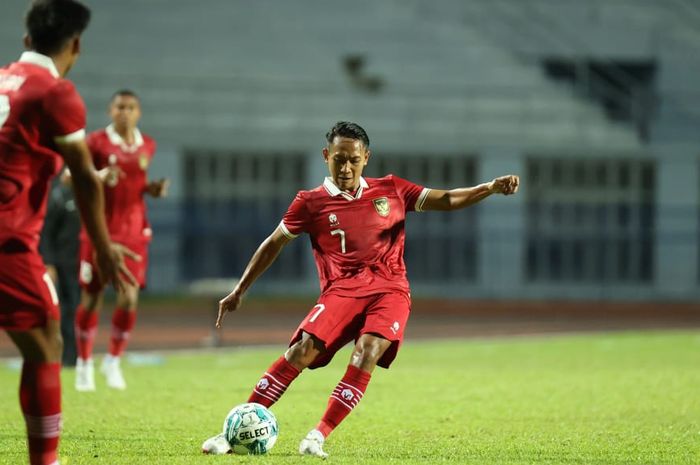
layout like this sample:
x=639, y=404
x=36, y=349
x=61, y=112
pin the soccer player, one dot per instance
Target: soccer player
x=356, y=227
x=42, y=125
x=122, y=154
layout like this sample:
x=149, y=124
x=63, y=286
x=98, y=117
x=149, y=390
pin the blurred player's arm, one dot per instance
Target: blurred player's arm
x=462, y=197
x=109, y=175
x=90, y=199
x=262, y=259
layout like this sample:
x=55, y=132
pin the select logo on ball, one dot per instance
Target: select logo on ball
x=251, y=429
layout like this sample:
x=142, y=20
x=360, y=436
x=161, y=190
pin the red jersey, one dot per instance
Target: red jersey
x=357, y=240
x=37, y=109
x=125, y=207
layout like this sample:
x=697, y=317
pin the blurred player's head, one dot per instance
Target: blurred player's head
x=125, y=110
x=54, y=28
x=346, y=154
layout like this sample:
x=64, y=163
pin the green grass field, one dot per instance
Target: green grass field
x=618, y=398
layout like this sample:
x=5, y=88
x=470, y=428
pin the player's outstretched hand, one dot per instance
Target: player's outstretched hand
x=159, y=188
x=230, y=303
x=505, y=185
x=112, y=268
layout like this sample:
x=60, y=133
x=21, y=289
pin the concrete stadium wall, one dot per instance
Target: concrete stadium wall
x=268, y=77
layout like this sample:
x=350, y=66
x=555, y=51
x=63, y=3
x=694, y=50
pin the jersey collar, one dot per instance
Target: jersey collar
x=334, y=191
x=116, y=139
x=40, y=60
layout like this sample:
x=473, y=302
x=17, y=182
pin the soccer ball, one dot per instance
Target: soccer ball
x=250, y=429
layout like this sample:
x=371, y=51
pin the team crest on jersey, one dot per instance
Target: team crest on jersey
x=382, y=206
x=143, y=161
x=333, y=220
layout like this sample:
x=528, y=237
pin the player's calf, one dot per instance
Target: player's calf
x=274, y=382
x=40, y=399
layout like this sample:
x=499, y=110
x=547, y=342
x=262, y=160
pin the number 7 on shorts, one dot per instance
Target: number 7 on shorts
x=321, y=308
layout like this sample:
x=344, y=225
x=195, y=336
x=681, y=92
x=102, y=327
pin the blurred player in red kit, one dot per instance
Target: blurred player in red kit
x=42, y=125
x=122, y=154
x=356, y=227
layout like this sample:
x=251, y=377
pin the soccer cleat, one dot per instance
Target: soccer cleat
x=113, y=372
x=216, y=445
x=312, y=444
x=84, y=375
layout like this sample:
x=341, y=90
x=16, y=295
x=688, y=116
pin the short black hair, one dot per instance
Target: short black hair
x=349, y=130
x=52, y=23
x=124, y=93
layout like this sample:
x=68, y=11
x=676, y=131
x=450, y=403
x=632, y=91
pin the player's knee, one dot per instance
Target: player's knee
x=92, y=307
x=129, y=302
x=299, y=355
x=51, y=349
x=368, y=351
x=303, y=352
x=128, y=299
x=91, y=302
x=56, y=346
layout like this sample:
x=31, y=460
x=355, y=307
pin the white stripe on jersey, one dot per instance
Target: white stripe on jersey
x=421, y=199
x=286, y=232
x=72, y=137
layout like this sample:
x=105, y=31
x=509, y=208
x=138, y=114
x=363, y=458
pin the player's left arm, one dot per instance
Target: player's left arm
x=158, y=188
x=462, y=197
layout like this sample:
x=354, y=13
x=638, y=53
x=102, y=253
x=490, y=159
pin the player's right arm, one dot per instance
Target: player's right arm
x=90, y=199
x=262, y=259
x=109, y=175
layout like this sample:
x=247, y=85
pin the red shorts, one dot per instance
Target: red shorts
x=88, y=277
x=27, y=296
x=337, y=320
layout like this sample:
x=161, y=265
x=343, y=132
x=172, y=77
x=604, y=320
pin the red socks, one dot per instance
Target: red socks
x=274, y=382
x=40, y=399
x=122, y=323
x=345, y=397
x=85, y=331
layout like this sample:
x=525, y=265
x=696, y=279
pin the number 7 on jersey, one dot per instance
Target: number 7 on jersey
x=341, y=233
